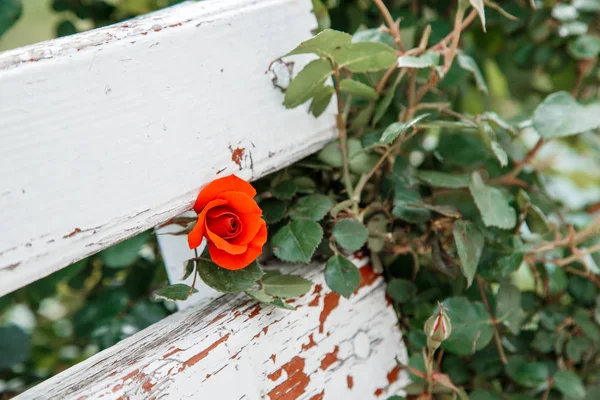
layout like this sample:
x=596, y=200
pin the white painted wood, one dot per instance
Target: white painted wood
x=107, y=133
x=175, y=251
x=232, y=348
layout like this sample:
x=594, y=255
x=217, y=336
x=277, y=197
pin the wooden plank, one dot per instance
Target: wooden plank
x=107, y=133
x=329, y=348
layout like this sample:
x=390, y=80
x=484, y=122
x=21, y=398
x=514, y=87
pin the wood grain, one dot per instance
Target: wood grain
x=233, y=348
x=107, y=133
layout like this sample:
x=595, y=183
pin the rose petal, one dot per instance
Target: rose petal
x=224, y=245
x=239, y=261
x=225, y=184
x=195, y=236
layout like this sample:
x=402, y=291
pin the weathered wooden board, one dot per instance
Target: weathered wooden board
x=329, y=348
x=107, y=133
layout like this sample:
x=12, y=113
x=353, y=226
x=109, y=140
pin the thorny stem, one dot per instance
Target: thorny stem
x=341, y=126
x=195, y=272
x=496, y=334
x=449, y=56
x=392, y=25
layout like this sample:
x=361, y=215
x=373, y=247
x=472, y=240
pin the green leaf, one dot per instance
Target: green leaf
x=469, y=243
x=569, y=384
x=341, y=275
x=472, y=329
x=443, y=179
x=492, y=204
x=366, y=57
x=584, y=47
x=10, y=12
x=261, y=296
x=426, y=60
x=350, y=234
x=297, y=241
x=508, y=307
x=560, y=115
x=285, y=190
x=285, y=286
x=178, y=291
x=14, y=345
x=125, y=253
x=401, y=290
x=307, y=83
x=564, y=12
x=358, y=89
x=321, y=100
x=384, y=103
x=325, y=44
x=331, y=154
x=397, y=128
x=65, y=28
x=527, y=373
x=478, y=6
x=228, y=281
x=374, y=35
x=322, y=14
x=468, y=63
x=577, y=346
x=273, y=210
x=188, y=268
x=313, y=207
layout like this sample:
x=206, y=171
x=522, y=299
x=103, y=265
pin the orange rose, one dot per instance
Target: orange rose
x=230, y=220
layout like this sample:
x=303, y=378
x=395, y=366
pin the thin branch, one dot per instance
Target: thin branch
x=392, y=25
x=466, y=22
x=496, y=334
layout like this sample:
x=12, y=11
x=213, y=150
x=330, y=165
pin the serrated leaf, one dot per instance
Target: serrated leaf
x=469, y=243
x=297, y=241
x=307, y=83
x=443, y=180
x=468, y=63
x=496, y=119
x=508, y=307
x=321, y=100
x=478, y=6
x=350, y=234
x=273, y=210
x=384, y=103
x=401, y=290
x=358, y=89
x=188, y=268
x=499, y=152
x=569, y=384
x=492, y=204
x=285, y=190
x=560, y=115
x=178, y=291
x=228, y=281
x=397, y=128
x=325, y=44
x=270, y=300
x=472, y=328
x=313, y=207
x=285, y=286
x=341, y=275
x=527, y=373
x=426, y=60
x=366, y=57
x=584, y=47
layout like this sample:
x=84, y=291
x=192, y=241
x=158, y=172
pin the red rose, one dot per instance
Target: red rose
x=230, y=220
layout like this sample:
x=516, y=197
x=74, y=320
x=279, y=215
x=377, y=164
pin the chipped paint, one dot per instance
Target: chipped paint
x=331, y=301
x=311, y=343
x=350, y=382
x=237, y=155
x=330, y=358
x=195, y=359
x=319, y=396
x=367, y=276
x=296, y=381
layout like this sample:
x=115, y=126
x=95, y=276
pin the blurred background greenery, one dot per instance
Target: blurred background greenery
x=80, y=310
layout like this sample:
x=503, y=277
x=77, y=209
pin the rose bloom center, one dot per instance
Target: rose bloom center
x=223, y=223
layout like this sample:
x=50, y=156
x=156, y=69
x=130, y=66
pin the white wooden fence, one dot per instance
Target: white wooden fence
x=108, y=133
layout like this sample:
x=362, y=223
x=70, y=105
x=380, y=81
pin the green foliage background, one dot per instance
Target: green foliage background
x=63, y=319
